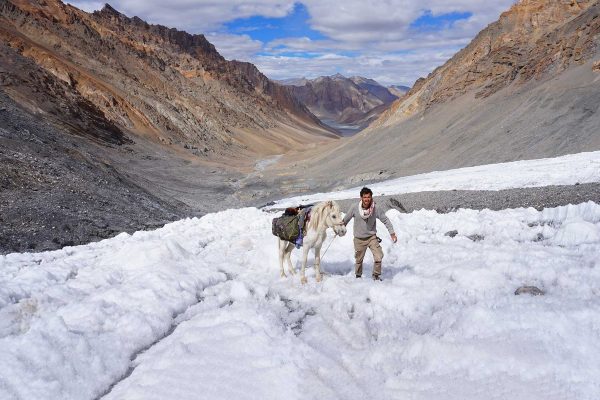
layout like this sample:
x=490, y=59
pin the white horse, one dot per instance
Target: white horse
x=322, y=216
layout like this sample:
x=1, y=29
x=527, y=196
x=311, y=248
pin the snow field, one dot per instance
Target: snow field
x=564, y=170
x=197, y=310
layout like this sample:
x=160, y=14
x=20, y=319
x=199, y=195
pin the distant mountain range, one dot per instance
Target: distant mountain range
x=526, y=87
x=341, y=101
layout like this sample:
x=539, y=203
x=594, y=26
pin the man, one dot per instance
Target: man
x=365, y=233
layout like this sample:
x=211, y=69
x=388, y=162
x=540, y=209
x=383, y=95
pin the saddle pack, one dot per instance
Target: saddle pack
x=290, y=225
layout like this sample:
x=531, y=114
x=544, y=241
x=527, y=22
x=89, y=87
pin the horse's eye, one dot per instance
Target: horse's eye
x=333, y=216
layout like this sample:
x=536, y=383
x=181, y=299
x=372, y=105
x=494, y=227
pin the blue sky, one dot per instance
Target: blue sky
x=436, y=23
x=266, y=29
x=391, y=41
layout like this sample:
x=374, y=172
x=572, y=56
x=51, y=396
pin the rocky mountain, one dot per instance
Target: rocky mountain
x=110, y=124
x=293, y=81
x=155, y=82
x=374, y=88
x=527, y=86
x=535, y=39
x=341, y=101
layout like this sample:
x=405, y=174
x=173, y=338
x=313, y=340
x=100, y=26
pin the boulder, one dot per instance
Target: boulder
x=532, y=290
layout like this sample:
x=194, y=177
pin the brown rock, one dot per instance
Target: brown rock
x=596, y=66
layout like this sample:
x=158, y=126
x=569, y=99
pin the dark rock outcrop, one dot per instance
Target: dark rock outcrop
x=532, y=290
x=24, y=79
x=58, y=190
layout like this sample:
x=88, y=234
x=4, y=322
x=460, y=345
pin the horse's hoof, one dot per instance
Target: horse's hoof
x=283, y=275
x=319, y=278
x=291, y=272
x=303, y=280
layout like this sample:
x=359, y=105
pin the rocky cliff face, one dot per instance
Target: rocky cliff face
x=535, y=39
x=163, y=84
x=348, y=101
x=35, y=88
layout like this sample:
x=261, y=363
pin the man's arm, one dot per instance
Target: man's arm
x=349, y=215
x=388, y=224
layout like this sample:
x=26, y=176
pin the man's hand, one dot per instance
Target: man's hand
x=394, y=238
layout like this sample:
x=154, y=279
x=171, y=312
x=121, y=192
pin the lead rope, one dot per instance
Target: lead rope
x=325, y=252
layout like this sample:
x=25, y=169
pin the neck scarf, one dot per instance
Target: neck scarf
x=364, y=214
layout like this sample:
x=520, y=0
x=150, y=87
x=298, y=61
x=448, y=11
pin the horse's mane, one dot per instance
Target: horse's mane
x=317, y=214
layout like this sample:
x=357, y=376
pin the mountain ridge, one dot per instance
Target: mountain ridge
x=140, y=76
x=525, y=43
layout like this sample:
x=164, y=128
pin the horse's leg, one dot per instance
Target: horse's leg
x=288, y=256
x=305, y=249
x=282, y=254
x=318, y=261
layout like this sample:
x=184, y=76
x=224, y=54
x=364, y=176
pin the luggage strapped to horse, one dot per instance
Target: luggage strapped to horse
x=291, y=225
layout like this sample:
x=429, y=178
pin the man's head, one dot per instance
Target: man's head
x=366, y=197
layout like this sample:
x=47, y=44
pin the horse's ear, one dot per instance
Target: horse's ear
x=330, y=204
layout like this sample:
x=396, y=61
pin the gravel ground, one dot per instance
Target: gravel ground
x=55, y=191
x=448, y=201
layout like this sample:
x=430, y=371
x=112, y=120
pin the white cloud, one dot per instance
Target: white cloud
x=364, y=22
x=239, y=47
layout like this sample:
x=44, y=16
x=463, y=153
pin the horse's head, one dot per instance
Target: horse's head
x=333, y=218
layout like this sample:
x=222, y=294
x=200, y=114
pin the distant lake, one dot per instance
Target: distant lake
x=344, y=130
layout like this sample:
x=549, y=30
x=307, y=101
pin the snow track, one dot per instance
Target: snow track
x=197, y=310
x=176, y=320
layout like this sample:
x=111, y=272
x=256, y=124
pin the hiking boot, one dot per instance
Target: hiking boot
x=376, y=278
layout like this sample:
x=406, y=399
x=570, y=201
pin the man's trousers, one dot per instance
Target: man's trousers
x=360, y=248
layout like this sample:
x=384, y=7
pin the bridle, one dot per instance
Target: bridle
x=333, y=224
